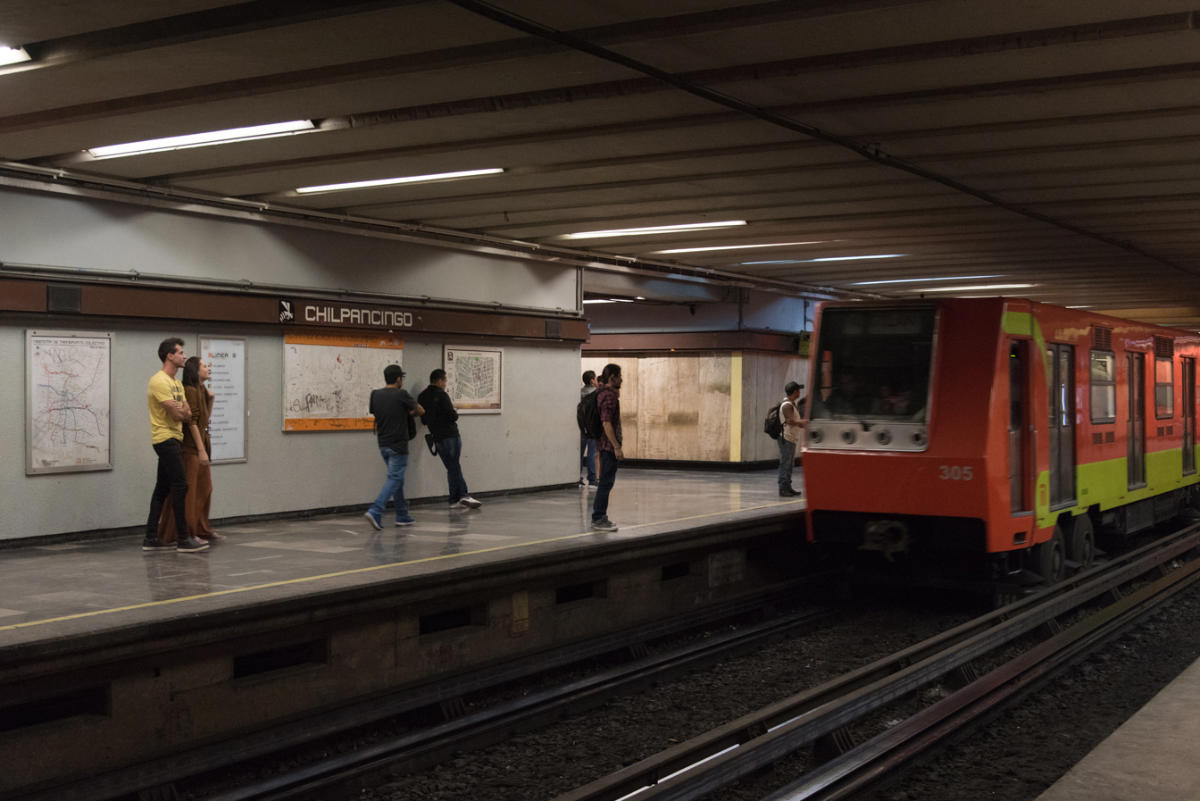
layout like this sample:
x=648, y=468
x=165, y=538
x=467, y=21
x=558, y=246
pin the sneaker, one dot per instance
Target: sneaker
x=592, y=486
x=604, y=524
x=375, y=520
x=581, y=483
x=152, y=544
x=469, y=502
x=787, y=492
x=191, y=545
x=404, y=521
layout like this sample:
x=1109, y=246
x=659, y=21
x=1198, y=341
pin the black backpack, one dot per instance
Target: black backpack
x=587, y=415
x=773, y=426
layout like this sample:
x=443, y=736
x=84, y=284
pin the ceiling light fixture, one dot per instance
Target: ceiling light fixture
x=976, y=288
x=12, y=55
x=830, y=258
x=223, y=137
x=654, y=229
x=925, y=280
x=408, y=179
x=744, y=247
x=610, y=300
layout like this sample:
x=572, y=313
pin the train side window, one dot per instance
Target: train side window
x=1103, y=387
x=1164, y=388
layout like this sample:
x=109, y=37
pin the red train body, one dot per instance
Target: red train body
x=994, y=427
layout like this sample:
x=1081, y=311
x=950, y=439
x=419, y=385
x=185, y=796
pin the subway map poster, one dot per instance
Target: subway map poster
x=473, y=378
x=67, y=401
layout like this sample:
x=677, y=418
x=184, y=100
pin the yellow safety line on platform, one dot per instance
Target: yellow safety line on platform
x=358, y=570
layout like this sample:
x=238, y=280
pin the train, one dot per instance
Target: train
x=992, y=439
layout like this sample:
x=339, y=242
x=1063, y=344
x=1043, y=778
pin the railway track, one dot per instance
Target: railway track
x=1100, y=603
x=337, y=776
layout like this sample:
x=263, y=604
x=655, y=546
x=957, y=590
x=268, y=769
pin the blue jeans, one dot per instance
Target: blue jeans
x=608, y=475
x=787, y=458
x=587, y=457
x=396, y=463
x=450, y=449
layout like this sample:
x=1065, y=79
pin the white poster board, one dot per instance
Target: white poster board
x=226, y=360
x=473, y=378
x=68, y=381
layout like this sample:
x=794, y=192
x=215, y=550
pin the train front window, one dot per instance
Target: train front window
x=874, y=364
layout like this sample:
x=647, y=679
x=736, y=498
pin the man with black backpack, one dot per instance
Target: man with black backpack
x=789, y=436
x=587, y=445
x=393, y=409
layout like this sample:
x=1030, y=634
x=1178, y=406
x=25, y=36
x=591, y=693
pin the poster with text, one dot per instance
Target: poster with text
x=226, y=360
x=473, y=378
x=68, y=395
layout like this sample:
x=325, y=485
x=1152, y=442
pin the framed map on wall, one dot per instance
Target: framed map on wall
x=328, y=378
x=473, y=378
x=68, y=395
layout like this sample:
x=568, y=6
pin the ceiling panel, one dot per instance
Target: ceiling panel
x=1057, y=142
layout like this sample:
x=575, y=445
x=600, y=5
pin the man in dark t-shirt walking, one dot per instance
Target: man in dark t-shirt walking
x=392, y=407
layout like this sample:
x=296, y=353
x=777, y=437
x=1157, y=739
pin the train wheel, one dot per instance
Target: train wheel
x=1081, y=546
x=1051, y=558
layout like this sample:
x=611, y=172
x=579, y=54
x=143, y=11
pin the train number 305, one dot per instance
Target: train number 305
x=954, y=472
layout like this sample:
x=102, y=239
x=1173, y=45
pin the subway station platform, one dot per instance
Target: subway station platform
x=1153, y=756
x=71, y=588
x=122, y=669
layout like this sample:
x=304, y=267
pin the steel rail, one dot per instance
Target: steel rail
x=329, y=777
x=865, y=765
x=723, y=755
x=162, y=773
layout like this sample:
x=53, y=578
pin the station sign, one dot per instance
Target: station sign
x=345, y=315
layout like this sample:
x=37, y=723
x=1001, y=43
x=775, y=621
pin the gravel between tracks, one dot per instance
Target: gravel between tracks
x=1013, y=759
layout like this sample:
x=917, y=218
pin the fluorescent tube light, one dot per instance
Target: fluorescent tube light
x=610, y=300
x=407, y=179
x=830, y=258
x=12, y=55
x=743, y=247
x=925, y=280
x=654, y=229
x=224, y=137
x=977, y=288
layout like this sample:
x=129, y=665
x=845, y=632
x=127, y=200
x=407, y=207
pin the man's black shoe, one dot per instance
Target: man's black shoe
x=191, y=545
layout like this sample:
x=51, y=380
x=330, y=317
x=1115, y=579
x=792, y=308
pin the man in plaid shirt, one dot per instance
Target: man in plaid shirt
x=608, y=400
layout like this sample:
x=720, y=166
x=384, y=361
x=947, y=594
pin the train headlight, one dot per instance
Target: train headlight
x=849, y=437
x=815, y=435
x=883, y=437
x=918, y=439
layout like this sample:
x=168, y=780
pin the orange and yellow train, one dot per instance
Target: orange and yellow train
x=1000, y=433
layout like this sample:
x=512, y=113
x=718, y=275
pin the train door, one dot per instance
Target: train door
x=1019, y=459
x=1061, y=359
x=1136, y=432
x=1189, y=414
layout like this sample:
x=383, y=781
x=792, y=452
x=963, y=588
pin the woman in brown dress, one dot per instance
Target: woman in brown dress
x=197, y=451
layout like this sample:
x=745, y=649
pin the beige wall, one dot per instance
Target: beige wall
x=682, y=406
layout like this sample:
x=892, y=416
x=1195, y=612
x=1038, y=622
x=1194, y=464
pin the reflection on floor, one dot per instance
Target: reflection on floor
x=274, y=558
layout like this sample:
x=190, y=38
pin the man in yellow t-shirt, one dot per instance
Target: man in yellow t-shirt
x=168, y=410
